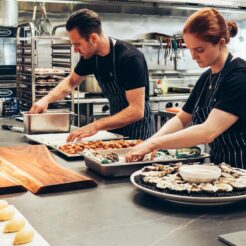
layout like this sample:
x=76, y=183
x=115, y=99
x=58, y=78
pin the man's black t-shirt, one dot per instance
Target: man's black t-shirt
x=130, y=65
x=231, y=95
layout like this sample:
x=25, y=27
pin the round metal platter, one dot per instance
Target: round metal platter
x=191, y=200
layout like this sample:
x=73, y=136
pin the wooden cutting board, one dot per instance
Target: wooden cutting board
x=7, y=185
x=34, y=167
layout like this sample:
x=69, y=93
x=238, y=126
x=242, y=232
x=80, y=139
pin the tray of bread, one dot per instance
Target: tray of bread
x=15, y=229
x=111, y=163
x=203, y=184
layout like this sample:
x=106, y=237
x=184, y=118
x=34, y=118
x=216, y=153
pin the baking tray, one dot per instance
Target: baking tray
x=57, y=139
x=122, y=168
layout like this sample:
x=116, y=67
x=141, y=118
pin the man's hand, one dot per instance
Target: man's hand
x=39, y=107
x=83, y=132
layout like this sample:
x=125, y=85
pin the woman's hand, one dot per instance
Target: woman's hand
x=138, y=152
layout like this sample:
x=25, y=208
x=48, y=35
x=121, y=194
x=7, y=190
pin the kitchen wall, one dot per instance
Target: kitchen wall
x=133, y=26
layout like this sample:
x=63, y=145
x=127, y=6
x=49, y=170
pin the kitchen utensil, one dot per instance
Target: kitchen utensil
x=6, y=239
x=199, y=173
x=58, y=139
x=43, y=24
x=7, y=185
x=49, y=122
x=123, y=168
x=237, y=238
x=186, y=199
x=13, y=128
x=34, y=167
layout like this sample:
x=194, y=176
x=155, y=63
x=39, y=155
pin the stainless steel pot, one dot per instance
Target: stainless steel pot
x=91, y=84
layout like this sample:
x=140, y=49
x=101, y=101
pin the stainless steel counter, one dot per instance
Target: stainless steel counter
x=167, y=97
x=117, y=214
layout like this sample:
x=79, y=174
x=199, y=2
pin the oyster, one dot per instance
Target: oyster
x=180, y=186
x=223, y=187
x=208, y=187
x=239, y=184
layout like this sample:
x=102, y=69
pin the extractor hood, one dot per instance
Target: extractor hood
x=217, y=3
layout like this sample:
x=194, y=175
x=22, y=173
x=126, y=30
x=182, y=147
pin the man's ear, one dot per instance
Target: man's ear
x=93, y=38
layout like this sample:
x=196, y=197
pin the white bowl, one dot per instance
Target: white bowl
x=199, y=173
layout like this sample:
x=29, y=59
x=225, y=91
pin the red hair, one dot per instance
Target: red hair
x=210, y=26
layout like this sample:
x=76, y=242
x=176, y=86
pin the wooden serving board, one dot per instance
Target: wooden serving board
x=34, y=167
x=7, y=185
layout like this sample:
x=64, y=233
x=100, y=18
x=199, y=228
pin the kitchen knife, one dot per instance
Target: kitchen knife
x=13, y=128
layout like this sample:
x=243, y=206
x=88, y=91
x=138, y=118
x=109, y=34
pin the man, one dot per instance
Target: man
x=121, y=72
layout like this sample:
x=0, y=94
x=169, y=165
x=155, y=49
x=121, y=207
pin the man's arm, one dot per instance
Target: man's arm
x=132, y=113
x=59, y=92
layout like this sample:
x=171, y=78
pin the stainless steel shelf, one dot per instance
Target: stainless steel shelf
x=32, y=80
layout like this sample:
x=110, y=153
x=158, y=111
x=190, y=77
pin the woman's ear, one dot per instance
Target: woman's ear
x=222, y=43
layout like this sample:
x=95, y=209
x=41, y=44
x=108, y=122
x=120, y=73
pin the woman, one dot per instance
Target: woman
x=217, y=105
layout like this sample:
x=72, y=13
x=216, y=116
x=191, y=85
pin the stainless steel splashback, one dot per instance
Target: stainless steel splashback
x=8, y=13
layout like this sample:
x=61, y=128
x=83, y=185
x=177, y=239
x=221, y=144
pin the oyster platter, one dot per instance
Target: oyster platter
x=203, y=184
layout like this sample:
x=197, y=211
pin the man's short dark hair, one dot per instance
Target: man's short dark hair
x=86, y=21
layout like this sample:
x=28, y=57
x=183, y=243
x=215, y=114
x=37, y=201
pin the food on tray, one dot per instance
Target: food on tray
x=6, y=213
x=14, y=225
x=104, y=158
x=74, y=148
x=167, y=179
x=161, y=155
x=23, y=236
x=191, y=152
x=3, y=204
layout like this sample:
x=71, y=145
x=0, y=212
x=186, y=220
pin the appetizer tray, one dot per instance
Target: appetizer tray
x=6, y=239
x=165, y=182
x=122, y=168
x=56, y=140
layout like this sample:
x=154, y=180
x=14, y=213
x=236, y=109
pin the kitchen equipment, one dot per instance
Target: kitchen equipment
x=8, y=238
x=185, y=199
x=38, y=72
x=237, y=238
x=91, y=84
x=179, y=89
x=13, y=128
x=43, y=25
x=58, y=139
x=50, y=121
x=199, y=173
x=123, y=168
x=8, y=102
x=34, y=167
x=7, y=185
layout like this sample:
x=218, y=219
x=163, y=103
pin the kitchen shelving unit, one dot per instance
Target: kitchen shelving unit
x=36, y=76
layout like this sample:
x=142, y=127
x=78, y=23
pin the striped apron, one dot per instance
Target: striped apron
x=116, y=95
x=230, y=146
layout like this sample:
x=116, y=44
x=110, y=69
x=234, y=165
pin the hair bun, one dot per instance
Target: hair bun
x=232, y=27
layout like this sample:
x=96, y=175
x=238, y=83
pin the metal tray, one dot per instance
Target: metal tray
x=57, y=139
x=122, y=168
